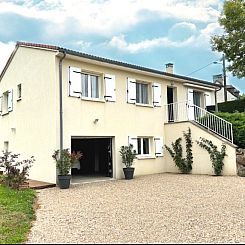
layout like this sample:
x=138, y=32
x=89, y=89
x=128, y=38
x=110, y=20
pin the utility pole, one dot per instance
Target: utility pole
x=224, y=78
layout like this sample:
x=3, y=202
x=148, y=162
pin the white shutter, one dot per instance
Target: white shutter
x=10, y=100
x=75, y=82
x=131, y=91
x=110, y=87
x=1, y=107
x=208, y=100
x=157, y=94
x=159, y=146
x=133, y=141
x=190, y=99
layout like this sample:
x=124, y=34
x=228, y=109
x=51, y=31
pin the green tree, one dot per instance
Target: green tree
x=232, y=42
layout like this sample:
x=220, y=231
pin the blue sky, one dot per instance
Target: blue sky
x=149, y=33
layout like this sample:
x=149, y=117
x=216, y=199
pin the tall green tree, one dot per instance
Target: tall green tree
x=232, y=42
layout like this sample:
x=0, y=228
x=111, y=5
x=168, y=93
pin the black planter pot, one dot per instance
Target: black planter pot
x=128, y=173
x=64, y=181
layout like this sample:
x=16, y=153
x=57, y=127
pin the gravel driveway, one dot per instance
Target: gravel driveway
x=162, y=208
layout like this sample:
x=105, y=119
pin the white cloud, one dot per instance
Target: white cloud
x=119, y=42
x=108, y=17
x=5, y=51
x=195, y=37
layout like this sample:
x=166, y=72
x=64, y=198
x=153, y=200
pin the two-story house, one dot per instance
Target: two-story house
x=55, y=98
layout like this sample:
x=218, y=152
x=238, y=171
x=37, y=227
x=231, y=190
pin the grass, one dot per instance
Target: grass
x=16, y=214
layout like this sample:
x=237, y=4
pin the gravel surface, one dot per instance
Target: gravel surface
x=162, y=208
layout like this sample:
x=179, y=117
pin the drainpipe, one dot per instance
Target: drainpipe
x=61, y=104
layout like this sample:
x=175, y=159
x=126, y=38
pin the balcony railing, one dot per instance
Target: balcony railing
x=184, y=111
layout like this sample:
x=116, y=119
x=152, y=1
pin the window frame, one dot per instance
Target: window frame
x=139, y=93
x=141, y=140
x=88, y=86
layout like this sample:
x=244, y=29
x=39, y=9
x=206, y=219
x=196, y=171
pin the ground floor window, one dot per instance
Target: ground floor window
x=143, y=146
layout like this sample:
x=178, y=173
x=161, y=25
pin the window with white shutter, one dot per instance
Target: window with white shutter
x=10, y=100
x=131, y=91
x=159, y=146
x=75, y=83
x=110, y=88
x=157, y=94
x=133, y=141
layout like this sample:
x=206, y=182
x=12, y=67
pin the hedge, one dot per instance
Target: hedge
x=238, y=122
x=230, y=106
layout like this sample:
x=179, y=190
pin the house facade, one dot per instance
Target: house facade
x=54, y=98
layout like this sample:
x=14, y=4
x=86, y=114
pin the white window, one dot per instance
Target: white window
x=142, y=91
x=143, y=146
x=6, y=101
x=19, y=92
x=90, y=86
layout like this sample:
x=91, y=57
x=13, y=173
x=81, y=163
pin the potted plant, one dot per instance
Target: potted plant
x=128, y=155
x=64, y=160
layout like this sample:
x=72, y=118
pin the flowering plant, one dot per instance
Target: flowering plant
x=64, y=160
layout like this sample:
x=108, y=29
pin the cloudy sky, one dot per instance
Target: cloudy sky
x=149, y=33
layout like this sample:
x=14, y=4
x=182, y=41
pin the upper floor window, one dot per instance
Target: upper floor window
x=142, y=91
x=90, y=86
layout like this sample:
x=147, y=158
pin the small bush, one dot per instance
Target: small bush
x=216, y=157
x=15, y=172
x=128, y=155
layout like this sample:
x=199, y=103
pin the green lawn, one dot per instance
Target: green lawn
x=16, y=214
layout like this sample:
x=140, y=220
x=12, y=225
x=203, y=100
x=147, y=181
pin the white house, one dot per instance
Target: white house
x=53, y=98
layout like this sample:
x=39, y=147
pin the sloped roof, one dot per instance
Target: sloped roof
x=104, y=60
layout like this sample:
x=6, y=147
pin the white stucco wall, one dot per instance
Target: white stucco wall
x=201, y=160
x=33, y=117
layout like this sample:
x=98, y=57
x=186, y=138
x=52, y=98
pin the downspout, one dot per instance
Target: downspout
x=61, y=101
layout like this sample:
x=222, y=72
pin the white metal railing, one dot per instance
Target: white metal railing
x=184, y=111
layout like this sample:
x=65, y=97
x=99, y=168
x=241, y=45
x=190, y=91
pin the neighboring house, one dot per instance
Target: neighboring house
x=232, y=92
x=102, y=105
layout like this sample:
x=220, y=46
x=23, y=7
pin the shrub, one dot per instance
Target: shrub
x=184, y=164
x=238, y=122
x=15, y=172
x=128, y=155
x=65, y=159
x=216, y=156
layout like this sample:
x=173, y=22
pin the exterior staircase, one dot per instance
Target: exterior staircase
x=184, y=111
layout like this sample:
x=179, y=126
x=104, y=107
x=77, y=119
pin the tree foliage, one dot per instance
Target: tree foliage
x=232, y=42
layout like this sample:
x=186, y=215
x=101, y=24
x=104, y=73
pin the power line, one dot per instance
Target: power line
x=214, y=62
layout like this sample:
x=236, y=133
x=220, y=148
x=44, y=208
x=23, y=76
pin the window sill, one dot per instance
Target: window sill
x=144, y=105
x=92, y=99
x=140, y=157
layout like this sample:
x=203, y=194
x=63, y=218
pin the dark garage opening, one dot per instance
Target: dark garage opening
x=96, y=159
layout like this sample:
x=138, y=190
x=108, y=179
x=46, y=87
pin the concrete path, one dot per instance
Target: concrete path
x=162, y=208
